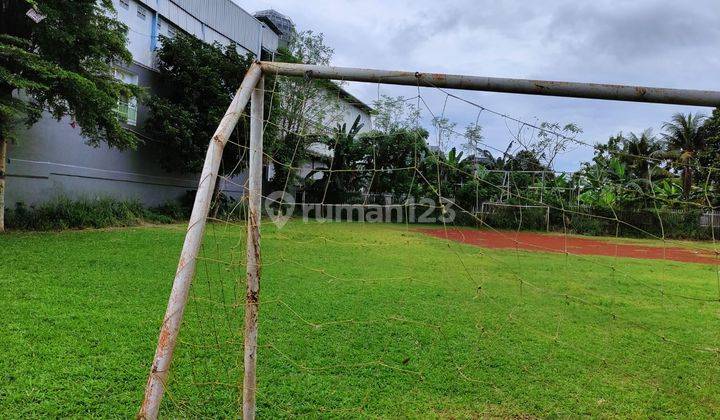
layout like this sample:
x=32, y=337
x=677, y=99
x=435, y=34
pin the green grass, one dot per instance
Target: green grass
x=358, y=320
x=704, y=245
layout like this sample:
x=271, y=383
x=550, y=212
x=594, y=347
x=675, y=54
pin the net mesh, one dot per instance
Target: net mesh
x=451, y=303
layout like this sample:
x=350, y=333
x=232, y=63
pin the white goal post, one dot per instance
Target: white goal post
x=252, y=86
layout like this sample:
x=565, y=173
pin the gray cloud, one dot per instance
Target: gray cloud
x=651, y=42
x=642, y=29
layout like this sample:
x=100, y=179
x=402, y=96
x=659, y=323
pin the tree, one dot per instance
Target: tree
x=525, y=160
x=395, y=147
x=394, y=157
x=304, y=107
x=197, y=82
x=550, y=140
x=455, y=159
x=709, y=156
x=445, y=174
x=521, y=167
x=473, y=140
x=342, y=174
x=394, y=114
x=683, y=142
x=637, y=152
x=445, y=131
x=482, y=187
x=609, y=185
x=62, y=62
x=485, y=158
x=623, y=172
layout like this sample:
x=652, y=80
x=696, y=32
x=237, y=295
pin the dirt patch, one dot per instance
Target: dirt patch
x=573, y=245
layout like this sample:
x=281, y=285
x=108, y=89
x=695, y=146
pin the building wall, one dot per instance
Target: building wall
x=350, y=112
x=222, y=17
x=223, y=22
x=51, y=158
x=62, y=165
x=140, y=30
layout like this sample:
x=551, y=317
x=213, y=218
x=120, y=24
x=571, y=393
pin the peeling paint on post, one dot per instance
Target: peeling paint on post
x=193, y=239
x=253, y=249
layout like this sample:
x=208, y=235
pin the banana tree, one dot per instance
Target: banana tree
x=668, y=190
x=610, y=187
x=338, y=179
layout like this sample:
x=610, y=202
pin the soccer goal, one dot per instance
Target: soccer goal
x=334, y=332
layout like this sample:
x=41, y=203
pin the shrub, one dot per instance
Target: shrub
x=512, y=218
x=172, y=210
x=64, y=213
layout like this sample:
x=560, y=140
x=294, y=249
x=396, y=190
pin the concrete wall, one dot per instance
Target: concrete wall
x=52, y=160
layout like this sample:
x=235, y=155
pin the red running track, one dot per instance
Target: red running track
x=575, y=245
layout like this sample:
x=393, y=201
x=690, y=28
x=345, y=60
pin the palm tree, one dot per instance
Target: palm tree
x=683, y=142
x=638, y=152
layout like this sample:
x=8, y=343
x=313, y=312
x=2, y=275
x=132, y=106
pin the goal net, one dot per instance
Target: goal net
x=407, y=265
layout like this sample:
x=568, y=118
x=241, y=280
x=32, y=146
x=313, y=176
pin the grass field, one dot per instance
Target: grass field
x=358, y=320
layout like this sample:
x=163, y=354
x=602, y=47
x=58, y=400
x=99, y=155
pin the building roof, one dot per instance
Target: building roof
x=319, y=150
x=270, y=24
x=222, y=16
x=350, y=98
x=282, y=22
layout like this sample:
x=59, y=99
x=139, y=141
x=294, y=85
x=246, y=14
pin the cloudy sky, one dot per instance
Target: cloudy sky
x=663, y=43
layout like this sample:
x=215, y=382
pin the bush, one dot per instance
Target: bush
x=172, y=210
x=514, y=218
x=642, y=223
x=639, y=223
x=63, y=213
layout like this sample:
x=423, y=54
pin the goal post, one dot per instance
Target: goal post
x=252, y=87
x=193, y=240
x=253, y=249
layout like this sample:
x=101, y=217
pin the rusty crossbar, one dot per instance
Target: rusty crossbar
x=498, y=84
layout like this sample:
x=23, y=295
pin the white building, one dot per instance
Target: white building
x=51, y=158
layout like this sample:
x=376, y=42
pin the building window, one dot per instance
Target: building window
x=142, y=13
x=126, y=109
x=172, y=32
x=125, y=4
